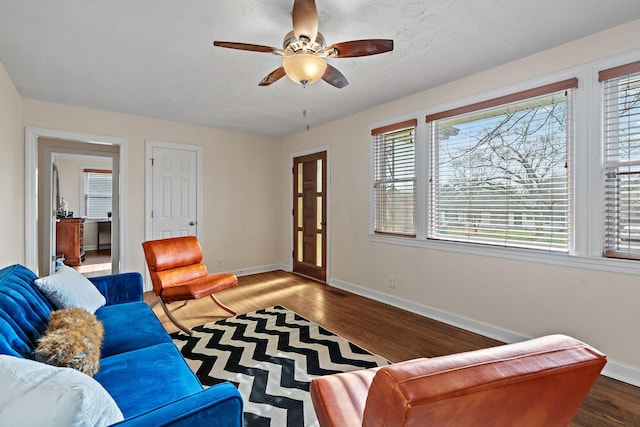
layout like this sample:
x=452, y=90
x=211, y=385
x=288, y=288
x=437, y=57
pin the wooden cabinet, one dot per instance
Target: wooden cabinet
x=70, y=240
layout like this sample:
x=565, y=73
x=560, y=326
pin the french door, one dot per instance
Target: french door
x=310, y=215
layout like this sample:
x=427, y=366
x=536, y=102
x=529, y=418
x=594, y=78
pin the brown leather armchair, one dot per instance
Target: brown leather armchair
x=540, y=382
x=178, y=274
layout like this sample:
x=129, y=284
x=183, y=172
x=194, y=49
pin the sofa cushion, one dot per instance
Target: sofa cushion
x=34, y=393
x=119, y=288
x=24, y=311
x=130, y=326
x=147, y=378
x=67, y=288
x=73, y=339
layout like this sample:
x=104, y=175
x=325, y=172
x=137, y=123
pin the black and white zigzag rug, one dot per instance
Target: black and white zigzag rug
x=271, y=355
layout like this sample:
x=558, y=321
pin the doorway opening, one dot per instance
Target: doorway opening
x=43, y=210
x=83, y=201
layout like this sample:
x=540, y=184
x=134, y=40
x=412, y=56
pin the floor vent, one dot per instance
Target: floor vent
x=338, y=294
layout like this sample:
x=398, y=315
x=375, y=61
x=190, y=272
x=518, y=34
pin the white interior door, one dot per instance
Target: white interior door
x=174, y=189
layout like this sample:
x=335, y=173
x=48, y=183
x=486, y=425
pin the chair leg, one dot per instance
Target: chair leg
x=221, y=305
x=170, y=316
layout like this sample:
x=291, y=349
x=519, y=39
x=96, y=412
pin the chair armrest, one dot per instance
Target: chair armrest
x=220, y=405
x=339, y=399
x=539, y=382
x=119, y=288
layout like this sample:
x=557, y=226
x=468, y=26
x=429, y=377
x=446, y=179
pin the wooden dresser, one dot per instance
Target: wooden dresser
x=70, y=240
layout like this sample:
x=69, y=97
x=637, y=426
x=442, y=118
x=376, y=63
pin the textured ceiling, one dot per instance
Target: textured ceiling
x=155, y=58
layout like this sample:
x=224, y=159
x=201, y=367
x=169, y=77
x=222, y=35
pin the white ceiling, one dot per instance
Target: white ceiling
x=155, y=58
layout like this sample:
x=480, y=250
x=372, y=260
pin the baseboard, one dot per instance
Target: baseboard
x=258, y=270
x=95, y=247
x=622, y=371
x=617, y=370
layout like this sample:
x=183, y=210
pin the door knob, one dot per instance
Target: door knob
x=192, y=223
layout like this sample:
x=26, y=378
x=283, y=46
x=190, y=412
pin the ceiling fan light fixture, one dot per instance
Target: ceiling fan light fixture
x=304, y=68
x=304, y=50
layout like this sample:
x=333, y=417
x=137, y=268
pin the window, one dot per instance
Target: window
x=621, y=133
x=97, y=193
x=394, y=185
x=499, y=171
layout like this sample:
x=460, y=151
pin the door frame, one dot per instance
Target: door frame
x=31, y=188
x=149, y=146
x=49, y=229
x=314, y=150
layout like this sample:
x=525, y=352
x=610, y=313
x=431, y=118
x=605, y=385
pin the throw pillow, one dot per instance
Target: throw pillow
x=67, y=288
x=33, y=393
x=72, y=338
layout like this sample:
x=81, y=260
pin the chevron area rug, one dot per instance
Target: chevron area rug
x=271, y=355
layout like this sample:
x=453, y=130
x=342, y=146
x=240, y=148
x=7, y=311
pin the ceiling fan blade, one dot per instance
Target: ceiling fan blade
x=305, y=19
x=273, y=77
x=334, y=77
x=361, y=48
x=245, y=46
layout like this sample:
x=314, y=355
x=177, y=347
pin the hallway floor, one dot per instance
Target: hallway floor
x=96, y=263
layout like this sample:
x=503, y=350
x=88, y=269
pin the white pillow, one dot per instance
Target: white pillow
x=67, y=288
x=36, y=394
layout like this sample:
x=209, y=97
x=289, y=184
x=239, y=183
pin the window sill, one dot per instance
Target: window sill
x=517, y=254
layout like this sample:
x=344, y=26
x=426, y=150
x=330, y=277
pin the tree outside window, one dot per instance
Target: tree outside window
x=500, y=175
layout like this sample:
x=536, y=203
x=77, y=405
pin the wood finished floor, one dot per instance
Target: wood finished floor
x=96, y=263
x=385, y=330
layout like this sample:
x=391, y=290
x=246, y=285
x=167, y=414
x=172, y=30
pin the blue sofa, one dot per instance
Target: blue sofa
x=140, y=367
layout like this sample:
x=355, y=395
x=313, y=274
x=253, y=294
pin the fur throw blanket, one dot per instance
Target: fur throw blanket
x=73, y=339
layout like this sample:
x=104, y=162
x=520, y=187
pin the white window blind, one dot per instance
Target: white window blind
x=395, y=178
x=500, y=170
x=97, y=193
x=622, y=160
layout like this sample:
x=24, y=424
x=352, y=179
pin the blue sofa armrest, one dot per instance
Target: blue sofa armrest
x=119, y=288
x=217, y=406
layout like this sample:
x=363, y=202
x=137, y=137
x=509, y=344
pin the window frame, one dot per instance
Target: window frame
x=605, y=78
x=481, y=108
x=382, y=130
x=85, y=194
x=588, y=175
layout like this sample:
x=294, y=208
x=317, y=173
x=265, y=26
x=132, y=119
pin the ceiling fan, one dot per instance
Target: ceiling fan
x=304, y=50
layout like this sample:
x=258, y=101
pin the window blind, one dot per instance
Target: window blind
x=621, y=134
x=395, y=179
x=97, y=189
x=500, y=175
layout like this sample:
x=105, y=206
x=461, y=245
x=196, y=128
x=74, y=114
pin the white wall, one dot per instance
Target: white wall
x=512, y=298
x=12, y=248
x=71, y=173
x=240, y=190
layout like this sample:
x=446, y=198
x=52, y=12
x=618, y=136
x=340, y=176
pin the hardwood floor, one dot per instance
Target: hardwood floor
x=96, y=263
x=388, y=331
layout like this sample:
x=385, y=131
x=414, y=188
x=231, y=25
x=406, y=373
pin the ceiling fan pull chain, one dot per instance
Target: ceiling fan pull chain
x=305, y=112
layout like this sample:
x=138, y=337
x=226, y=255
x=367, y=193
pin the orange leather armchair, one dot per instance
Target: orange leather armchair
x=178, y=274
x=540, y=382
